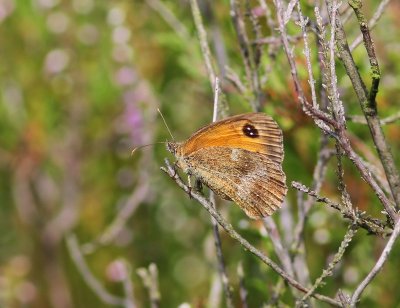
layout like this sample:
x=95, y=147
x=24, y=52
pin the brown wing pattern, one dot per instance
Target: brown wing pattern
x=254, y=182
x=229, y=133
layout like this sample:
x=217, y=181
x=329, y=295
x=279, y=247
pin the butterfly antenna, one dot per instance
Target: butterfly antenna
x=143, y=146
x=165, y=123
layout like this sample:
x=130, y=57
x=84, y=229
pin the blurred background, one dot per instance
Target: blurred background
x=80, y=84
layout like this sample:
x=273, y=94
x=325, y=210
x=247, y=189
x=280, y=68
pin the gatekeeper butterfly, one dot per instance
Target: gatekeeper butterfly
x=240, y=159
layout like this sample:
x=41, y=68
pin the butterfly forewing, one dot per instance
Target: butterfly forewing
x=255, y=132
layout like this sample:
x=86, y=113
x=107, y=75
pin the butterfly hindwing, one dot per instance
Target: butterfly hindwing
x=254, y=182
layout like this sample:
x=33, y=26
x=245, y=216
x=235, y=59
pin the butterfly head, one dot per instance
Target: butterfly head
x=173, y=147
x=176, y=149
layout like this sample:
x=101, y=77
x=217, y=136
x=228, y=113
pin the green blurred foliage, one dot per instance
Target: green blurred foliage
x=80, y=83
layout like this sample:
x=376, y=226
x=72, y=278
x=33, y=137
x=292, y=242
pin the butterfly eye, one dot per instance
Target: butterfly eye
x=250, y=131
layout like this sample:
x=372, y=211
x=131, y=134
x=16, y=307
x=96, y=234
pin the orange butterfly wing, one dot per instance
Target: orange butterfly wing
x=239, y=158
x=263, y=136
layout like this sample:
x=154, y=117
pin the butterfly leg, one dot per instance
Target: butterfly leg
x=190, y=186
x=175, y=167
x=198, y=185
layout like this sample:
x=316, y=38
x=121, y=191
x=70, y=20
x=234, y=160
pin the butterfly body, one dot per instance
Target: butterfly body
x=240, y=159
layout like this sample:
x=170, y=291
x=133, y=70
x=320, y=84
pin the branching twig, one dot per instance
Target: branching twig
x=150, y=281
x=372, y=225
x=310, y=110
x=370, y=111
x=229, y=229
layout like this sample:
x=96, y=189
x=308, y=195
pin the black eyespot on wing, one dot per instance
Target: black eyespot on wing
x=250, y=131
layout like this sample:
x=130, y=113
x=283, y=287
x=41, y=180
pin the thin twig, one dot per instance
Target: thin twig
x=370, y=48
x=372, y=23
x=319, y=173
x=257, y=52
x=333, y=93
x=346, y=200
x=235, y=80
x=337, y=106
x=367, y=176
x=216, y=99
x=242, y=288
x=378, y=174
x=91, y=281
x=201, y=31
x=280, y=249
x=385, y=121
x=123, y=215
x=217, y=238
x=128, y=286
x=322, y=51
x=273, y=47
x=214, y=297
x=352, y=230
x=221, y=263
x=169, y=18
x=205, y=49
x=277, y=290
x=345, y=15
x=273, y=40
x=303, y=25
x=377, y=267
x=217, y=38
x=246, y=53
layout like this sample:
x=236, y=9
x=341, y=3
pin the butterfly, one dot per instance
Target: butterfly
x=240, y=159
